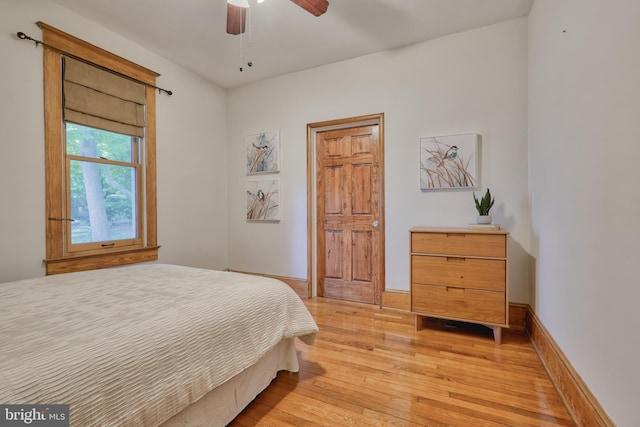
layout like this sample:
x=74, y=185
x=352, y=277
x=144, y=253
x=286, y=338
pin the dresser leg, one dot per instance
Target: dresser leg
x=497, y=334
x=420, y=322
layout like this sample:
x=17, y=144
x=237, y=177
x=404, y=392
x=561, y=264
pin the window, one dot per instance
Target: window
x=104, y=173
x=99, y=157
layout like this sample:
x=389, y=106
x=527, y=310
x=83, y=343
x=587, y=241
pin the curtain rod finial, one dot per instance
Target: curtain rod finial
x=23, y=36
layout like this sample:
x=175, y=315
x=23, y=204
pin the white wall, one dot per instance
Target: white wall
x=475, y=81
x=584, y=87
x=191, y=147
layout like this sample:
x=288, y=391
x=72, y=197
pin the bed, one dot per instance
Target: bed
x=149, y=344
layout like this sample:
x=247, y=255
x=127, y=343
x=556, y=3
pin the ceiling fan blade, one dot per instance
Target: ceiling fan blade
x=314, y=7
x=236, y=17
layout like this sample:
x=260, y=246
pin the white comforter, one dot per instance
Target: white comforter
x=135, y=345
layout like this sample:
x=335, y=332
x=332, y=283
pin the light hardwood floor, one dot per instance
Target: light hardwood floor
x=370, y=367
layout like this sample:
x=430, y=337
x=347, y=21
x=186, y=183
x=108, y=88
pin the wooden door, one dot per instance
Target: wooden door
x=348, y=222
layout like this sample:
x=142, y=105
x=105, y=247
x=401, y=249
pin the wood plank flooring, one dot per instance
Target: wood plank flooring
x=369, y=367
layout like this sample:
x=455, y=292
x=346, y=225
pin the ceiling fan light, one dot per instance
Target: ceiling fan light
x=239, y=3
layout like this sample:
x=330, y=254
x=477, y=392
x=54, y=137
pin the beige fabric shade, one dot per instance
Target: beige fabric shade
x=100, y=99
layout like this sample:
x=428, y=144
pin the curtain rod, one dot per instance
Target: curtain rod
x=23, y=36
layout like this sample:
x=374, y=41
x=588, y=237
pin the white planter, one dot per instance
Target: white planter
x=483, y=219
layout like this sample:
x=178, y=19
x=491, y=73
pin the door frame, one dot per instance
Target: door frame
x=312, y=242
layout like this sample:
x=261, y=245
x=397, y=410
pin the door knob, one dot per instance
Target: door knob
x=375, y=224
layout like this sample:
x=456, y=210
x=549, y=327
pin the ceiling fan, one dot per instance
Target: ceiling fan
x=237, y=12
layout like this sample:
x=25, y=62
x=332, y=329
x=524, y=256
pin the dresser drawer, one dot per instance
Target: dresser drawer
x=456, y=303
x=470, y=244
x=487, y=274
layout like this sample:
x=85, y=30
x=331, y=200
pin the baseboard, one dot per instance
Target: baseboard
x=300, y=286
x=517, y=316
x=580, y=402
x=396, y=300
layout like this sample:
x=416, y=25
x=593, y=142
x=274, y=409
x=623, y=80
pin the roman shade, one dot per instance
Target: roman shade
x=97, y=98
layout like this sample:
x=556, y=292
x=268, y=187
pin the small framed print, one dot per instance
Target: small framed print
x=263, y=152
x=263, y=200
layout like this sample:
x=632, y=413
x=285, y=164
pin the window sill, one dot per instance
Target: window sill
x=96, y=261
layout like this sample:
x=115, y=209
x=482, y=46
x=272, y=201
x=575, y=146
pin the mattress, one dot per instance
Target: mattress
x=135, y=345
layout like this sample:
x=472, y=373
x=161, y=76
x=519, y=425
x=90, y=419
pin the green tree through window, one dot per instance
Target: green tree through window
x=102, y=168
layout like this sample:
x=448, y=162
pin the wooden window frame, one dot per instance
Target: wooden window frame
x=57, y=261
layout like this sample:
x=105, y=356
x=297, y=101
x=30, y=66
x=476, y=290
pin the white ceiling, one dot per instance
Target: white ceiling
x=284, y=37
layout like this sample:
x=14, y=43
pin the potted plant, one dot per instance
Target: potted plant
x=483, y=207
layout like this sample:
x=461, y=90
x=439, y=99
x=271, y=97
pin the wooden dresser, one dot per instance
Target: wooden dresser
x=460, y=274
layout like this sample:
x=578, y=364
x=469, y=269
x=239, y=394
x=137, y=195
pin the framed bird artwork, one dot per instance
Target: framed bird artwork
x=263, y=200
x=263, y=151
x=449, y=162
